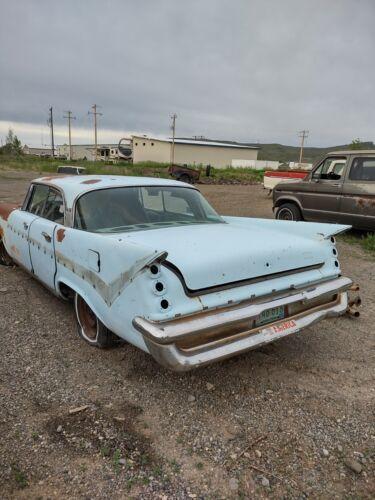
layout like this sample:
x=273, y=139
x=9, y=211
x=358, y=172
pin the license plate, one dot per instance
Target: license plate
x=270, y=315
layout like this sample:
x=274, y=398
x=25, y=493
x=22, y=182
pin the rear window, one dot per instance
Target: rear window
x=363, y=169
x=142, y=207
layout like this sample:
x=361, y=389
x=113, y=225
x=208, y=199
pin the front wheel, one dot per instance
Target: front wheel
x=288, y=211
x=90, y=328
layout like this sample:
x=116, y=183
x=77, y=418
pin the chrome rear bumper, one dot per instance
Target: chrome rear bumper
x=189, y=342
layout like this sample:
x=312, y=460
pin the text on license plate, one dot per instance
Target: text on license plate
x=270, y=315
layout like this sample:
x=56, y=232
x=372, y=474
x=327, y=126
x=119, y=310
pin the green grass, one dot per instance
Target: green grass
x=144, y=169
x=366, y=241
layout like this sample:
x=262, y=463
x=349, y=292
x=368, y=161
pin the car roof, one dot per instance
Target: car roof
x=74, y=185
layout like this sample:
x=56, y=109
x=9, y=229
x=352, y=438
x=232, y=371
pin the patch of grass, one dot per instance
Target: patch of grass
x=144, y=169
x=366, y=241
x=116, y=460
x=105, y=451
x=176, y=467
x=35, y=436
x=19, y=477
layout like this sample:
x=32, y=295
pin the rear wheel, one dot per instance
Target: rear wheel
x=5, y=258
x=288, y=211
x=90, y=328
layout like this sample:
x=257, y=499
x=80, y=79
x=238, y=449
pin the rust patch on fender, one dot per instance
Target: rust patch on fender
x=6, y=209
x=15, y=250
x=60, y=235
x=91, y=181
x=365, y=201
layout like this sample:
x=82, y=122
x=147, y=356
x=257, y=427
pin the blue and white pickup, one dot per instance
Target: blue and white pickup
x=149, y=261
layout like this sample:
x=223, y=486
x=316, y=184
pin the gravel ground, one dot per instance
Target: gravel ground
x=294, y=419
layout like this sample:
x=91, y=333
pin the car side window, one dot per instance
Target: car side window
x=331, y=169
x=363, y=169
x=38, y=199
x=54, y=207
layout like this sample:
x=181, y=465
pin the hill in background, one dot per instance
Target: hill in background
x=278, y=152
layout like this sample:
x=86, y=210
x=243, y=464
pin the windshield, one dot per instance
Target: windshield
x=142, y=207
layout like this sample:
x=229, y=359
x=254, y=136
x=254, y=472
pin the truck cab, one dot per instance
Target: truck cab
x=339, y=189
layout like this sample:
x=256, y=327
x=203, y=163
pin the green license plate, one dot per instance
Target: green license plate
x=270, y=315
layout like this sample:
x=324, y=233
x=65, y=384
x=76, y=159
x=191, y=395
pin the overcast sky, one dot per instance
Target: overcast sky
x=246, y=70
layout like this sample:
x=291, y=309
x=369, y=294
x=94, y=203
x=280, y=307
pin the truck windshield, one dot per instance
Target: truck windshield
x=142, y=207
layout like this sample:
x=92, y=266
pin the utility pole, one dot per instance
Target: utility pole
x=173, y=127
x=95, y=113
x=50, y=123
x=70, y=118
x=303, y=134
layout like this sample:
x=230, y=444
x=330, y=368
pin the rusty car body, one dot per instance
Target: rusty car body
x=149, y=261
x=339, y=189
x=184, y=173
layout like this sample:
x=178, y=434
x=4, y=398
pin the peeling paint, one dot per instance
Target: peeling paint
x=6, y=209
x=365, y=202
x=15, y=250
x=90, y=181
x=109, y=291
x=60, y=234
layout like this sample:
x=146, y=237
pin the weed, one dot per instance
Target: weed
x=367, y=241
x=35, y=436
x=116, y=460
x=199, y=465
x=19, y=477
x=105, y=451
x=176, y=467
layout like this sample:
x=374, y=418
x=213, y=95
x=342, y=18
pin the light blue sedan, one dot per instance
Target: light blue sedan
x=149, y=261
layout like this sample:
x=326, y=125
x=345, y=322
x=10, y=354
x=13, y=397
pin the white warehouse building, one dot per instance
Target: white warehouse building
x=219, y=154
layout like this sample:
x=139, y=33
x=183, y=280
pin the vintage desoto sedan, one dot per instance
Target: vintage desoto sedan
x=149, y=261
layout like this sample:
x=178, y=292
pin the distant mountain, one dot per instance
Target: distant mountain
x=279, y=152
x=285, y=154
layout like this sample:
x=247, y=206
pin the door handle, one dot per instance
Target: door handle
x=25, y=226
x=47, y=237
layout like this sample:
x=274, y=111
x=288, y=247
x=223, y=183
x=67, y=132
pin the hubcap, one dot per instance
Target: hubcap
x=87, y=320
x=285, y=214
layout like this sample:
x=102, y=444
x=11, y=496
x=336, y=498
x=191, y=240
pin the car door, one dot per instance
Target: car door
x=20, y=222
x=41, y=238
x=321, y=194
x=358, y=199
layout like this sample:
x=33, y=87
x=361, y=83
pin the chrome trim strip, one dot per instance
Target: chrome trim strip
x=171, y=331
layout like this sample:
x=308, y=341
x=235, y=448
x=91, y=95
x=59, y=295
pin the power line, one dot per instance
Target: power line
x=95, y=113
x=70, y=118
x=173, y=127
x=303, y=134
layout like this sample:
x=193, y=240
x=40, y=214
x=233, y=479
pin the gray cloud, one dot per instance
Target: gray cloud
x=230, y=69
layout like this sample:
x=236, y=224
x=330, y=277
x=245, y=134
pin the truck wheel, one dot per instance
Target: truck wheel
x=186, y=178
x=90, y=328
x=5, y=258
x=288, y=211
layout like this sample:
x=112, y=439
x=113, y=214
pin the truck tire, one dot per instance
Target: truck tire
x=186, y=178
x=289, y=211
x=90, y=328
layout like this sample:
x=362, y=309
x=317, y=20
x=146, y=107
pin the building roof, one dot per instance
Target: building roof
x=74, y=185
x=199, y=142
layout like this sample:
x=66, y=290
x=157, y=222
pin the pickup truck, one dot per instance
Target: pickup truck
x=339, y=189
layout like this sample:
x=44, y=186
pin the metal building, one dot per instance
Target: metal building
x=218, y=154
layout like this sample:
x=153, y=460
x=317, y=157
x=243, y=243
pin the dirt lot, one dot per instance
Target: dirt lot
x=290, y=420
